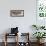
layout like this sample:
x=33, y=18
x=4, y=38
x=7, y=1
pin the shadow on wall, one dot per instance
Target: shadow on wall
x=32, y=30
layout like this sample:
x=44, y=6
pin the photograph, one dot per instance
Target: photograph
x=17, y=13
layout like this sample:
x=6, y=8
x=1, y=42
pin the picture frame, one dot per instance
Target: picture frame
x=17, y=13
x=41, y=12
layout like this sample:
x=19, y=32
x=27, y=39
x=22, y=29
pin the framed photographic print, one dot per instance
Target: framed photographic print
x=41, y=12
x=17, y=13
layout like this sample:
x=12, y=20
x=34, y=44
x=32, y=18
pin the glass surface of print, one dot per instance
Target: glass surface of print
x=41, y=8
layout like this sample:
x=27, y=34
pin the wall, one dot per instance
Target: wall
x=24, y=23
